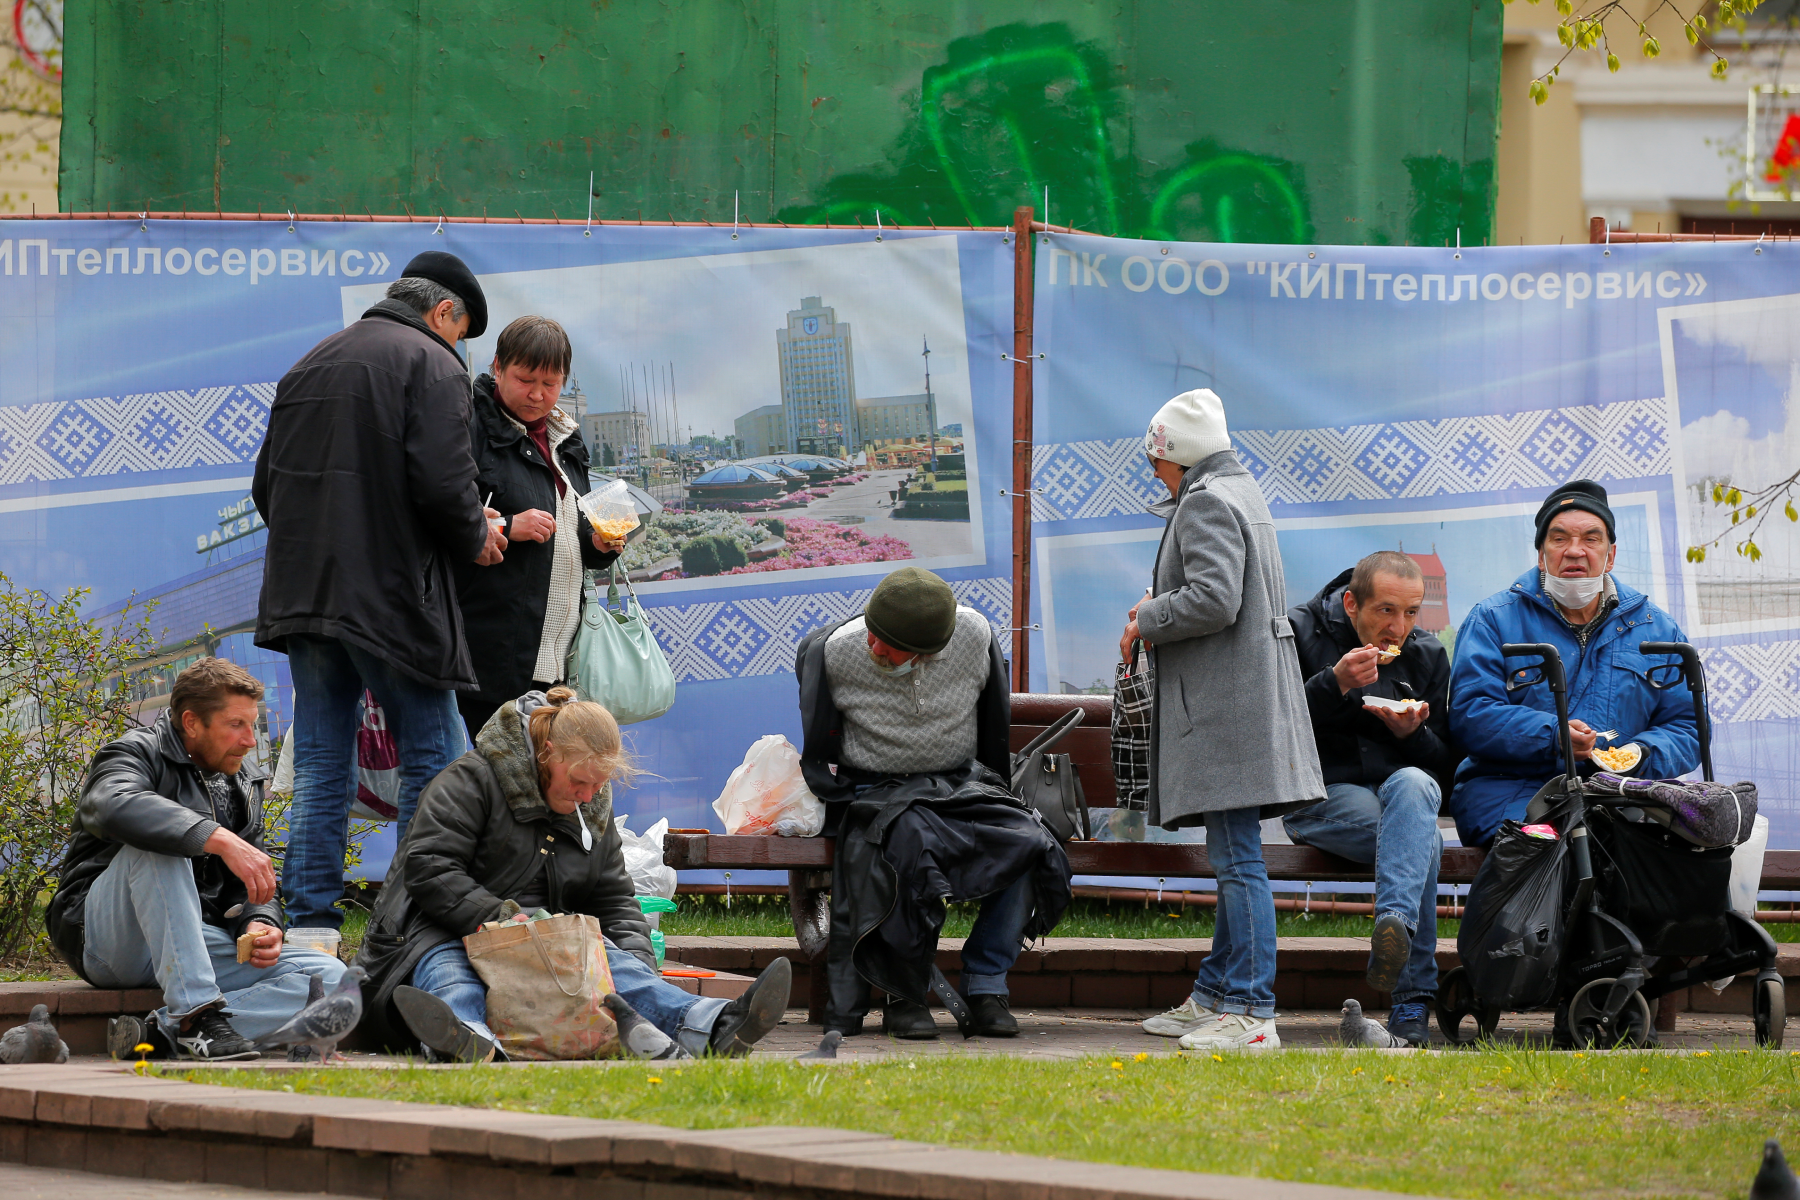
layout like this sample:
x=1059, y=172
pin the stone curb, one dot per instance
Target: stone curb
x=107, y=1120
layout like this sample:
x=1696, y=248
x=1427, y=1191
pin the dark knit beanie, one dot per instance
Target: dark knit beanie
x=447, y=270
x=912, y=610
x=1583, y=494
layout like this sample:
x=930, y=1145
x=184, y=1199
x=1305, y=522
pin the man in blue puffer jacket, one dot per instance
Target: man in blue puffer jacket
x=1571, y=601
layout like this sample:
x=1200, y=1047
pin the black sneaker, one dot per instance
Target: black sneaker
x=1388, y=951
x=209, y=1037
x=125, y=1034
x=993, y=1017
x=748, y=1019
x=1411, y=1023
x=440, y=1030
x=904, y=1019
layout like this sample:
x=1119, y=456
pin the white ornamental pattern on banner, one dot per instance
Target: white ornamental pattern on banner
x=1392, y=461
x=1753, y=681
x=153, y=431
x=734, y=639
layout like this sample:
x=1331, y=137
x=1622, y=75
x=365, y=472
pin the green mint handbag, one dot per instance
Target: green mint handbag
x=615, y=660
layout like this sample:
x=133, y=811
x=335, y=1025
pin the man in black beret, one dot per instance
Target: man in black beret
x=367, y=484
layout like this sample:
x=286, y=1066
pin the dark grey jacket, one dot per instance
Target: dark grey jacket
x=143, y=790
x=475, y=841
x=367, y=484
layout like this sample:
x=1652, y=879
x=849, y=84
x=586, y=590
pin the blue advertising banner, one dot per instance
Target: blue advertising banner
x=142, y=356
x=1426, y=400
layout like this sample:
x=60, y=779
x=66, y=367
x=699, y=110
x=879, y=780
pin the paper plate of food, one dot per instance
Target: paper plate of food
x=1399, y=706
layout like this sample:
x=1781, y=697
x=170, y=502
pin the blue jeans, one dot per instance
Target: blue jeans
x=329, y=678
x=1238, y=976
x=1395, y=828
x=446, y=973
x=994, y=943
x=144, y=929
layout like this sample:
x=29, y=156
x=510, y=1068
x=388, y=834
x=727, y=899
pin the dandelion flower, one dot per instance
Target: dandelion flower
x=1140, y=1057
x=654, y=1079
x=1218, y=1058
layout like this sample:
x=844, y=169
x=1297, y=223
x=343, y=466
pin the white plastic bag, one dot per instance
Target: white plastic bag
x=650, y=876
x=1746, y=866
x=768, y=795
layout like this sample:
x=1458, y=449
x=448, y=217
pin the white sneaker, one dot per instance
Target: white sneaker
x=1233, y=1031
x=1190, y=1016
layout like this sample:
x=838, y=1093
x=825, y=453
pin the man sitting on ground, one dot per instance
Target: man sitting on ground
x=906, y=715
x=167, y=872
x=1384, y=763
x=1571, y=601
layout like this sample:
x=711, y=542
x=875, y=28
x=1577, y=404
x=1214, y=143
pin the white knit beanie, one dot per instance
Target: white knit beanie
x=1187, y=429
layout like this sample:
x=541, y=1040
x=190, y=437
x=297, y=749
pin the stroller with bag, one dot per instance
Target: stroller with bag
x=1626, y=903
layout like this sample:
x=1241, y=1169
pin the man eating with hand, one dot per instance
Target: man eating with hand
x=167, y=872
x=1377, y=689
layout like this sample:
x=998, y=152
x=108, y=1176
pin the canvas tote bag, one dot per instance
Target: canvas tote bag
x=616, y=662
x=545, y=981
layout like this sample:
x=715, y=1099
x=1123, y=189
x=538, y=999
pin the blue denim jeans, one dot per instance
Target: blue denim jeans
x=993, y=945
x=144, y=929
x=446, y=973
x=1238, y=976
x=329, y=679
x=1395, y=828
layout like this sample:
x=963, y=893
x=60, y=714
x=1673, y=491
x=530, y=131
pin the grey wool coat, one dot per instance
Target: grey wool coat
x=1230, y=722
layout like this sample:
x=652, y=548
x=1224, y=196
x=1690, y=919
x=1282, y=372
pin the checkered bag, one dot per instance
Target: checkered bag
x=1134, y=685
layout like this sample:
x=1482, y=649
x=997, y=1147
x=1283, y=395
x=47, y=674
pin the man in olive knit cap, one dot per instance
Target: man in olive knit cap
x=910, y=700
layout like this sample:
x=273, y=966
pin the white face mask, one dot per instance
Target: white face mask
x=1573, y=593
x=890, y=670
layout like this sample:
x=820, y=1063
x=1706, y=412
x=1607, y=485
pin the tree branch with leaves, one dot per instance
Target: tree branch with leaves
x=1749, y=512
x=1595, y=29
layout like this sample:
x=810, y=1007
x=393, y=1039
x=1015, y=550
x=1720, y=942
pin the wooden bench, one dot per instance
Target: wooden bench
x=808, y=860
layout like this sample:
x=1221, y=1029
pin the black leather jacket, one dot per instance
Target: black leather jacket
x=143, y=790
x=481, y=827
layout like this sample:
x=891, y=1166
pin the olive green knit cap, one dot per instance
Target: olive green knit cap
x=912, y=610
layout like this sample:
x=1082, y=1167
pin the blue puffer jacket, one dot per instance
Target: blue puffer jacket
x=1510, y=738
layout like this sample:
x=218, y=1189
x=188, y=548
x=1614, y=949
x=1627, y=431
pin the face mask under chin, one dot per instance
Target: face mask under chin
x=1573, y=593
x=889, y=669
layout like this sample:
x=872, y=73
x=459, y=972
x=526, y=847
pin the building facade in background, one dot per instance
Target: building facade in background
x=889, y=418
x=761, y=431
x=818, y=380
x=573, y=402
x=626, y=434
x=1658, y=145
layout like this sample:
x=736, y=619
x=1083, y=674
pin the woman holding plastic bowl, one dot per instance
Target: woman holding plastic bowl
x=520, y=617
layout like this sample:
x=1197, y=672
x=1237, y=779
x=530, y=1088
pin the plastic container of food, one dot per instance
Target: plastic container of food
x=610, y=509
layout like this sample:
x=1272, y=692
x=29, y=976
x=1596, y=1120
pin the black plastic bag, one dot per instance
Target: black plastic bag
x=1511, y=941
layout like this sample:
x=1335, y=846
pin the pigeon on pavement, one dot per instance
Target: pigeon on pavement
x=1774, y=1179
x=324, y=1022
x=1357, y=1030
x=35, y=1041
x=827, y=1047
x=639, y=1037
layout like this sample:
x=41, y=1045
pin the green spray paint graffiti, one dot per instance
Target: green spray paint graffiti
x=1021, y=108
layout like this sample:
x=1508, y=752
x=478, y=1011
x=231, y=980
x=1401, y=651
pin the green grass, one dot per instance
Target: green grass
x=1490, y=1123
x=767, y=916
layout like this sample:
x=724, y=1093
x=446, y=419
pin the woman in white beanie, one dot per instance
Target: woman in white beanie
x=1232, y=740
